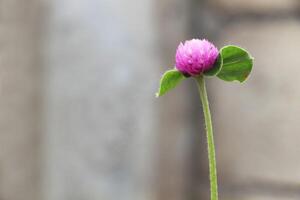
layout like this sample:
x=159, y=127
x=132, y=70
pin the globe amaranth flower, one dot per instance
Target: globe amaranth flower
x=195, y=56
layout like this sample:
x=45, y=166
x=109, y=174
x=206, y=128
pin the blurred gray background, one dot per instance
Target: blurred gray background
x=79, y=119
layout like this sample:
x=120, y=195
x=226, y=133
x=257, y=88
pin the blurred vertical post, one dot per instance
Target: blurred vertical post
x=19, y=100
x=176, y=112
x=101, y=75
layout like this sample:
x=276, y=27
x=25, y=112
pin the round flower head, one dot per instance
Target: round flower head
x=195, y=56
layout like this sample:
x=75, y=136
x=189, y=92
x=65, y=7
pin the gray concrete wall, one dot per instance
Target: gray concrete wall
x=256, y=123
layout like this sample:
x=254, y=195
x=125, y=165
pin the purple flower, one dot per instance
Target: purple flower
x=195, y=56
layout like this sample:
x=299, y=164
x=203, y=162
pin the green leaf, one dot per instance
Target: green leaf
x=216, y=68
x=237, y=64
x=168, y=81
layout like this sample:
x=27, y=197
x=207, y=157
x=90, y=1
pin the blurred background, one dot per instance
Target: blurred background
x=79, y=119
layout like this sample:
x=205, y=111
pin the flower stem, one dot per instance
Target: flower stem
x=210, y=139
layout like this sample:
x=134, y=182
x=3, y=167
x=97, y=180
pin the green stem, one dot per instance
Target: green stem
x=210, y=139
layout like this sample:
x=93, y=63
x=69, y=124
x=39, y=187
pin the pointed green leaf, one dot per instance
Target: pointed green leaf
x=168, y=81
x=216, y=68
x=237, y=64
